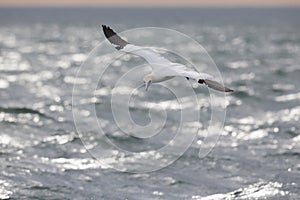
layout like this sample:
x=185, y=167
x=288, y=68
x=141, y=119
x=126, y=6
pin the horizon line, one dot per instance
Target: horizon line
x=153, y=6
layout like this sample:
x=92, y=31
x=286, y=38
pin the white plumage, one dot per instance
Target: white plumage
x=162, y=68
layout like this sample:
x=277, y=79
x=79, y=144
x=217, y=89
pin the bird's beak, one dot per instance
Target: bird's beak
x=147, y=85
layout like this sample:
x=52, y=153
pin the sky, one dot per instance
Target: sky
x=152, y=3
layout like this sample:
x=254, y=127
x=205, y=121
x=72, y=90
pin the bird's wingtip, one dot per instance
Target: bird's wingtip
x=105, y=27
x=229, y=90
x=113, y=37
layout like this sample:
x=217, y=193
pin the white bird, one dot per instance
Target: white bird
x=162, y=68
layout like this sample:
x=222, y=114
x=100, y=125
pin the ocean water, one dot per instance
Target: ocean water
x=257, y=155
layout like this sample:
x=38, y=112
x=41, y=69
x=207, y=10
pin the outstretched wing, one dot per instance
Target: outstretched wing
x=177, y=69
x=149, y=54
x=160, y=65
x=114, y=38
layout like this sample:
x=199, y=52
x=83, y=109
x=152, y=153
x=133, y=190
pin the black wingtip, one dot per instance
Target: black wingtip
x=215, y=85
x=104, y=27
x=113, y=37
x=229, y=90
x=108, y=32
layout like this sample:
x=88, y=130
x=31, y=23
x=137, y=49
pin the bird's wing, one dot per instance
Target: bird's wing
x=180, y=70
x=217, y=86
x=149, y=54
x=160, y=65
x=114, y=38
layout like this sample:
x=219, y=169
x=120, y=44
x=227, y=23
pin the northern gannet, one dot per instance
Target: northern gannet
x=162, y=68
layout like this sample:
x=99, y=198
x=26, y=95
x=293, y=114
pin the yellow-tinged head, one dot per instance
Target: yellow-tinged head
x=148, y=79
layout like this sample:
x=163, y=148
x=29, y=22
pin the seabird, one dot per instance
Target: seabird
x=162, y=68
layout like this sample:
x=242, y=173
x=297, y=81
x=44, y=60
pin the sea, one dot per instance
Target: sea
x=68, y=130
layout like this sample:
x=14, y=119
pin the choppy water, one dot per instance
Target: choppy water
x=257, y=156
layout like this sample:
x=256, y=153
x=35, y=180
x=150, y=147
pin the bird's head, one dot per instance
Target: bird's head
x=148, y=80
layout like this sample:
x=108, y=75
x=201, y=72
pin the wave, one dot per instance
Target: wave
x=24, y=110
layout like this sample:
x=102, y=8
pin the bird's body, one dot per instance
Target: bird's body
x=162, y=68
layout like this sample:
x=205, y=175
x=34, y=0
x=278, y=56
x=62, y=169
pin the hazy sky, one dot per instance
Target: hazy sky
x=171, y=3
